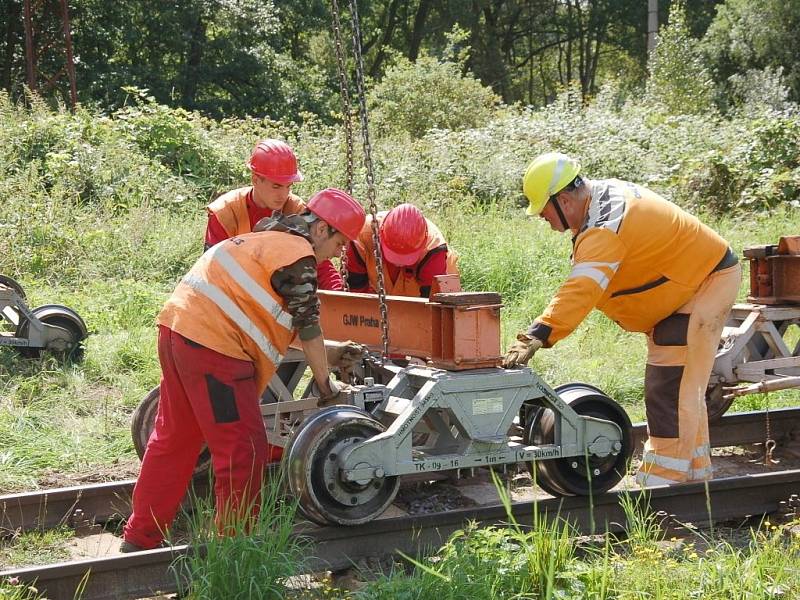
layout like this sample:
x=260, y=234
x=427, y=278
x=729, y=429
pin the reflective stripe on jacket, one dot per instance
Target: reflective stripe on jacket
x=231, y=210
x=637, y=258
x=407, y=282
x=226, y=302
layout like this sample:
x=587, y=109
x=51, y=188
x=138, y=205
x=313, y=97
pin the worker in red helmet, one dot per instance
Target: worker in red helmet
x=221, y=337
x=273, y=171
x=414, y=251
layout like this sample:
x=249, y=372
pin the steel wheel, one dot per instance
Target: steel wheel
x=68, y=345
x=143, y=423
x=716, y=405
x=580, y=475
x=8, y=282
x=313, y=472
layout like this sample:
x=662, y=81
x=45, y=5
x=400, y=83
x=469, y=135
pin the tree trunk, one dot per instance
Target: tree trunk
x=386, y=38
x=12, y=19
x=194, y=57
x=495, y=65
x=418, y=30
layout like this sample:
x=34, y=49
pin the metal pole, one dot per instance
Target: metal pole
x=30, y=60
x=652, y=24
x=73, y=90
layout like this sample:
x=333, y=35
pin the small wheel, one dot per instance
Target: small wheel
x=143, y=423
x=716, y=405
x=8, y=282
x=67, y=347
x=580, y=475
x=314, y=475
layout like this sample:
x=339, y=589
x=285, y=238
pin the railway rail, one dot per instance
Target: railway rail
x=145, y=573
x=99, y=503
x=151, y=572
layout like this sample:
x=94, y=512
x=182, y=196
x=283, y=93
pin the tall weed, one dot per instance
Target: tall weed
x=254, y=557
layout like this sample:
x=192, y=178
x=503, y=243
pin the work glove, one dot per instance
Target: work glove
x=521, y=351
x=339, y=393
x=344, y=356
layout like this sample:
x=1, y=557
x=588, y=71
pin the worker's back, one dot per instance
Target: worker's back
x=664, y=253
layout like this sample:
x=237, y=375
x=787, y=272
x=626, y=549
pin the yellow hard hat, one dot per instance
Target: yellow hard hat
x=548, y=174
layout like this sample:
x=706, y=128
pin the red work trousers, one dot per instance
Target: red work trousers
x=205, y=397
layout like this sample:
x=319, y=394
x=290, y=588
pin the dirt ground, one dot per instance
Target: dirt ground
x=119, y=471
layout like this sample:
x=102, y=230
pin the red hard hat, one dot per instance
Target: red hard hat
x=339, y=210
x=275, y=160
x=403, y=235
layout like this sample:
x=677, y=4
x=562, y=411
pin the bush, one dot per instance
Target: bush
x=759, y=90
x=761, y=171
x=179, y=140
x=414, y=98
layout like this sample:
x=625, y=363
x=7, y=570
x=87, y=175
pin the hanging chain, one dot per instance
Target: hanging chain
x=769, y=443
x=373, y=207
x=344, y=88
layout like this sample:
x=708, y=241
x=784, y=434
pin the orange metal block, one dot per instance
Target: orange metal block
x=775, y=272
x=460, y=332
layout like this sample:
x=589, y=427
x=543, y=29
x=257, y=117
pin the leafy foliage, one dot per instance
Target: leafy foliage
x=429, y=94
x=544, y=560
x=679, y=80
x=104, y=212
x=755, y=34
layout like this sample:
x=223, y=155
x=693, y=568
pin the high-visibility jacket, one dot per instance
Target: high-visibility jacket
x=407, y=282
x=231, y=210
x=226, y=302
x=637, y=258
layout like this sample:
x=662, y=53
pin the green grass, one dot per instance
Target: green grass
x=12, y=590
x=96, y=213
x=544, y=559
x=35, y=548
x=252, y=560
x=73, y=418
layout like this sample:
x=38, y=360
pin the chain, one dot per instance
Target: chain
x=344, y=87
x=373, y=207
x=769, y=443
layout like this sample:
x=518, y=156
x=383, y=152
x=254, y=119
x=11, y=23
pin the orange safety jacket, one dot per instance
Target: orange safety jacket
x=637, y=258
x=226, y=302
x=407, y=282
x=231, y=210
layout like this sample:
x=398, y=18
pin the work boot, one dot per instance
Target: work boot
x=126, y=547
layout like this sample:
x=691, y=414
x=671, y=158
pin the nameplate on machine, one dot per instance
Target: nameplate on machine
x=487, y=406
x=360, y=321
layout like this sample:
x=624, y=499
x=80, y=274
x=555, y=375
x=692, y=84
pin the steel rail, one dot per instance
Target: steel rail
x=99, y=503
x=151, y=572
x=738, y=429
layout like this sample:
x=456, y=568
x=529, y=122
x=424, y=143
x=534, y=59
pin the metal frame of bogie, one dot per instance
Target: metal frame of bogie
x=344, y=463
x=280, y=409
x=51, y=326
x=470, y=414
x=753, y=349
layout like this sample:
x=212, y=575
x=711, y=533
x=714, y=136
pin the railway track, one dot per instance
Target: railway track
x=148, y=573
x=99, y=503
x=144, y=573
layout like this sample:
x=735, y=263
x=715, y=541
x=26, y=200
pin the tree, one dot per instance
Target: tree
x=679, y=79
x=756, y=34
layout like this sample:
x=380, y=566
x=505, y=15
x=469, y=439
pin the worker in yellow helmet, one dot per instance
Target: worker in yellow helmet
x=652, y=268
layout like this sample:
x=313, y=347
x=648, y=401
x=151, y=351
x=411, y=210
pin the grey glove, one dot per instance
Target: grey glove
x=344, y=356
x=339, y=394
x=521, y=351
